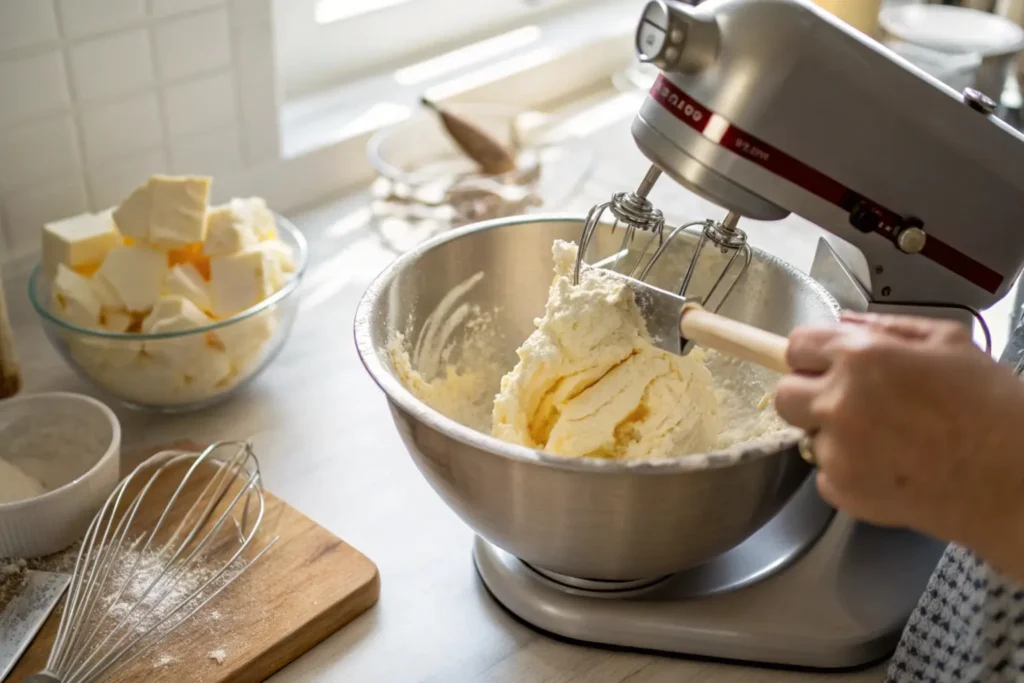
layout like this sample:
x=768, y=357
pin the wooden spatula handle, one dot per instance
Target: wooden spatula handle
x=743, y=341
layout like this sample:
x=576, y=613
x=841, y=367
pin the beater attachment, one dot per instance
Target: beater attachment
x=174, y=534
x=723, y=236
x=634, y=212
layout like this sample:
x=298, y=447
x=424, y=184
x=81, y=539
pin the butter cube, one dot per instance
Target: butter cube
x=184, y=280
x=173, y=313
x=136, y=274
x=168, y=211
x=245, y=340
x=240, y=281
x=132, y=216
x=281, y=253
x=227, y=231
x=178, y=210
x=144, y=380
x=74, y=298
x=195, y=357
x=82, y=240
x=106, y=293
x=255, y=213
x=115, y=320
x=95, y=354
x=207, y=368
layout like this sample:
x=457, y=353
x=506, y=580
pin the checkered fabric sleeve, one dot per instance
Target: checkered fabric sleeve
x=968, y=626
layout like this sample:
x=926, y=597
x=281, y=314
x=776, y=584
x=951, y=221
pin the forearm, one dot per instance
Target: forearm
x=1001, y=543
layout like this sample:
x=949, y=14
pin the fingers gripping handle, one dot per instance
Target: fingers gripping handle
x=743, y=341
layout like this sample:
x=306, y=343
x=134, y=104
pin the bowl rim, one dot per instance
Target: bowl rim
x=894, y=20
x=293, y=283
x=397, y=393
x=112, y=451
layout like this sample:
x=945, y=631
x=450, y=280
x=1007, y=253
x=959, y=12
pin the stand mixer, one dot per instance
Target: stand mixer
x=766, y=108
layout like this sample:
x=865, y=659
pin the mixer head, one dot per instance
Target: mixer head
x=635, y=213
x=767, y=108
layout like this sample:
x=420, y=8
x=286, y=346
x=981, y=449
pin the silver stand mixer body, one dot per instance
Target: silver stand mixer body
x=772, y=107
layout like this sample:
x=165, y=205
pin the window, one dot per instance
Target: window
x=321, y=43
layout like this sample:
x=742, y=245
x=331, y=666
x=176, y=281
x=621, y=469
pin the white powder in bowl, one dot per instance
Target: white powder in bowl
x=16, y=485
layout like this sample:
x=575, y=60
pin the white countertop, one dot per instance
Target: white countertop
x=325, y=439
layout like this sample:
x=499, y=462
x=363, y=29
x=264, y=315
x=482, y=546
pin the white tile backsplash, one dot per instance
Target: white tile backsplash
x=26, y=22
x=32, y=86
x=86, y=17
x=29, y=208
x=111, y=65
x=164, y=8
x=36, y=151
x=201, y=104
x=250, y=12
x=121, y=127
x=113, y=181
x=211, y=153
x=254, y=51
x=193, y=44
x=96, y=95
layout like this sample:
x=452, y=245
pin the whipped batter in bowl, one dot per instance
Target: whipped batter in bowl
x=441, y=330
x=589, y=381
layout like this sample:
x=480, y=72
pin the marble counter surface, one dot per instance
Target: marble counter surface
x=327, y=446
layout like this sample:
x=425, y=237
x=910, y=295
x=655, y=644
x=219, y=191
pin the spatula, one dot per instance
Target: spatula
x=676, y=324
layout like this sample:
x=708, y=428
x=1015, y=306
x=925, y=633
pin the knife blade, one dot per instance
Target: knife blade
x=24, y=615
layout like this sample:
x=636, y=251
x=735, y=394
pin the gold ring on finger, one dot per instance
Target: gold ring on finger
x=806, y=447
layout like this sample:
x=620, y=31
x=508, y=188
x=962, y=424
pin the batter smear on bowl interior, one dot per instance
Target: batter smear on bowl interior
x=590, y=382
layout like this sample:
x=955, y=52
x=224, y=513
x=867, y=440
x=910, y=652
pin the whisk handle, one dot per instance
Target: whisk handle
x=42, y=677
x=743, y=341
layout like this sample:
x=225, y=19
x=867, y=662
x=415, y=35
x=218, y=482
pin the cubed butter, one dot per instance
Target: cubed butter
x=95, y=354
x=106, y=293
x=244, y=340
x=132, y=216
x=136, y=274
x=207, y=369
x=178, y=210
x=240, y=281
x=75, y=299
x=115, y=320
x=173, y=313
x=145, y=380
x=78, y=242
x=227, y=231
x=281, y=253
x=168, y=211
x=256, y=214
x=185, y=280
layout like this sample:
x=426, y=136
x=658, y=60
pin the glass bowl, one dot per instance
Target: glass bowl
x=119, y=367
x=426, y=184
x=418, y=151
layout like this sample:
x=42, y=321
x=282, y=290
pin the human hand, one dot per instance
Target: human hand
x=913, y=426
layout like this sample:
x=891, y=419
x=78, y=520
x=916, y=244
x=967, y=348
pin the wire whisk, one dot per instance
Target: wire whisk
x=135, y=580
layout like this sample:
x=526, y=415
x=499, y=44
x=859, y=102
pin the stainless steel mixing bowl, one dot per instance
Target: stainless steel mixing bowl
x=587, y=518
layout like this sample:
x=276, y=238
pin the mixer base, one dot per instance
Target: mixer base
x=841, y=604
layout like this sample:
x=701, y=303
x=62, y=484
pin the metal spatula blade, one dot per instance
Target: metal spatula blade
x=24, y=615
x=676, y=324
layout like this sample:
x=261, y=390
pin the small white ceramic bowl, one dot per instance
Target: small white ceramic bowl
x=69, y=443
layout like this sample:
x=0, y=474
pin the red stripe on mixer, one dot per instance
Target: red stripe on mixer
x=697, y=116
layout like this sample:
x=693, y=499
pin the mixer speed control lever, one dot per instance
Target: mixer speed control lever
x=673, y=37
x=908, y=234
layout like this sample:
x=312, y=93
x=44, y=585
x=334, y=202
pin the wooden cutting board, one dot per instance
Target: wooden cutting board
x=306, y=587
